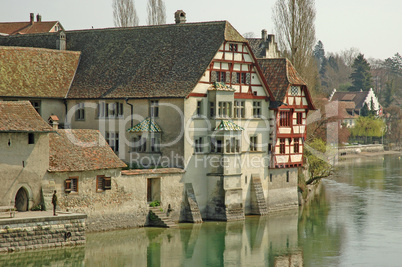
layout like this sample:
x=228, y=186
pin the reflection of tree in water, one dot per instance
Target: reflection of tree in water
x=320, y=241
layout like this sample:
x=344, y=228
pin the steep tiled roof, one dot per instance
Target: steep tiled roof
x=81, y=150
x=26, y=27
x=147, y=125
x=280, y=74
x=356, y=97
x=36, y=72
x=20, y=116
x=146, y=61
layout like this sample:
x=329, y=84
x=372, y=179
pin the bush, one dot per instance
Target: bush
x=154, y=203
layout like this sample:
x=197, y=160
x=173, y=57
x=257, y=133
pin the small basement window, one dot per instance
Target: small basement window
x=103, y=183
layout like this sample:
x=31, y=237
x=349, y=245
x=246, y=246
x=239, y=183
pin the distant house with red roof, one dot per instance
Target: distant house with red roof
x=30, y=27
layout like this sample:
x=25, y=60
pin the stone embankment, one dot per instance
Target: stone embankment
x=36, y=232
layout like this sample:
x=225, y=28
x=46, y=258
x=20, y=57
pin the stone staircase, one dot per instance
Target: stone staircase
x=258, y=202
x=159, y=218
x=192, y=211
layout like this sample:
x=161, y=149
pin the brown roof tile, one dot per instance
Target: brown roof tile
x=26, y=27
x=81, y=150
x=36, y=72
x=20, y=116
x=153, y=171
x=356, y=97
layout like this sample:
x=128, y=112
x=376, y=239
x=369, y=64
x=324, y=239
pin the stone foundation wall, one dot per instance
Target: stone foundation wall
x=45, y=232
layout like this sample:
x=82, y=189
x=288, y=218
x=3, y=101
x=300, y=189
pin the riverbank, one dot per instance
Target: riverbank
x=369, y=154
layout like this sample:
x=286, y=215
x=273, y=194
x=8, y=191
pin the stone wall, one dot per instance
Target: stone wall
x=43, y=232
x=125, y=205
x=282, y=190
x=359, y=149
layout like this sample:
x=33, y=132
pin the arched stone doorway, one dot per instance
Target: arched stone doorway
x=22, y=200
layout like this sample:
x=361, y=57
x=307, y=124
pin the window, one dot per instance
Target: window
x=225, y=109
x=31, y=138
x=103, y=183
x=80, y=112
x=282, y=145
x=270, y=177
x=299, y=118
x=296, y=145
x=109, y=110
x=211, y=109
x=232, y=145
x=221, y=76
x=199, y=108
x=112, y=138
x=217, y=145
x=287, y=176
x=198, y=145
x=239, y=111
x=140, y=144
x=233, y=47
x=36, y=105
x=154, y=109
x=253, y=143
x=256, y=109
x=155, y=144
x=71, y=185
x=284, y=118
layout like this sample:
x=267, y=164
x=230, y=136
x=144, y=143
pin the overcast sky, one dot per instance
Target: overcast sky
x=372, y=26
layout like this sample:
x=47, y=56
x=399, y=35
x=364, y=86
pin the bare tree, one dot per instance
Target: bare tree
x=295, y=31
x=156, y=12
x=124, y=13
x=349, y=55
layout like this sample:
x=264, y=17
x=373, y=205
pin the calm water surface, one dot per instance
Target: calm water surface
x=355, y=221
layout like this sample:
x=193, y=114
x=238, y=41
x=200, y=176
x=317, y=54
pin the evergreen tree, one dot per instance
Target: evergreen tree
x=361, y=76
x=319, y=53
x=364, y=111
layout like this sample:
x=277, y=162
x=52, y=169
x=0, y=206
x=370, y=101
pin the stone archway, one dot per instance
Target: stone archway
x=22, y=200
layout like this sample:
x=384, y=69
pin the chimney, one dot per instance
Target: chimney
x=53, y=121
x=38, y=18
x=180, y=16
x=264, y=35
x=31, y=18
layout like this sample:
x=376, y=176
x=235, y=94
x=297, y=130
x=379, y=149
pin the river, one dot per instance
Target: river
x=355, y=221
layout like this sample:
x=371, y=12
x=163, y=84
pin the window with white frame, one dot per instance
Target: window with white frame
x=253, y=143
x=155, y=144
x=112, y=138
x=239, y=110
x=109, y=110
x=80, y=112
x=225, y=109
x=232, y=145
x=217, y=144
x=198, y=144
x=154, y=108
x=199, y=107
x=140, y=144
x=211, y=109
x=256, y=109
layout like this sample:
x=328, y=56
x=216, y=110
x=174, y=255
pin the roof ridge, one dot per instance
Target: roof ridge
x=148, y=26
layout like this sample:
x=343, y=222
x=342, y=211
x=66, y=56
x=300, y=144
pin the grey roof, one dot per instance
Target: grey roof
x=143, y=62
